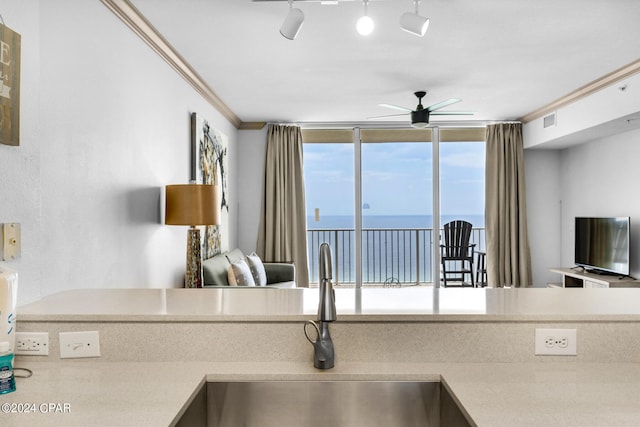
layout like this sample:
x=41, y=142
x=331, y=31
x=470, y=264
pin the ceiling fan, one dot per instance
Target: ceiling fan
x=420, y=116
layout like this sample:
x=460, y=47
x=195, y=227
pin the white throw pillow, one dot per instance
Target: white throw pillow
x=257, y=269
x=239, y=274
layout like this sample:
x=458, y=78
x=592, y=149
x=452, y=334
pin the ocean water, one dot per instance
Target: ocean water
x=333, y=222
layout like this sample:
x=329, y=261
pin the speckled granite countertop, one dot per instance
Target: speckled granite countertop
x=369, y=304
x=96, y=393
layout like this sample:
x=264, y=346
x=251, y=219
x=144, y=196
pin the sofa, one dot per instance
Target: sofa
x=216, y=272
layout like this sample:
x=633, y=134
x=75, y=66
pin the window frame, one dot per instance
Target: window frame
x=358, y=135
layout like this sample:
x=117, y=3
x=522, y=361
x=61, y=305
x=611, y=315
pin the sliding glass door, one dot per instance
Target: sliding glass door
x=462, y=185
x=379, y=198
x=329, y=196
x=396, y=212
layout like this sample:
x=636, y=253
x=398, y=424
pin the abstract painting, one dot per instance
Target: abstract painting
x=209, y=166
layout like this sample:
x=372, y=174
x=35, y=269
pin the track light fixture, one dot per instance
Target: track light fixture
x=414, y=23
x=411, y=22
x=365, y=23
x=292, y=23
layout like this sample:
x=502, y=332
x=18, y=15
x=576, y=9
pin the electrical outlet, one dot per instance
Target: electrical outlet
x=79, y=344
x=32, y=343
x=555, y=342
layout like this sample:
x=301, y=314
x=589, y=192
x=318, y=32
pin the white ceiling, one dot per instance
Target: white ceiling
x=503, y=58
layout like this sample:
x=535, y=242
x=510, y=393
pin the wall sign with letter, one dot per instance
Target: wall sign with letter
x=9, y=86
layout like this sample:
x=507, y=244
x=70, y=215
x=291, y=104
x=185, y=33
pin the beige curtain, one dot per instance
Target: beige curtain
x=283, y=226
x=508, y=255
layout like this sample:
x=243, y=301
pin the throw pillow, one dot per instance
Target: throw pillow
x=240, y=275
x=257, y=269
x=234, y=256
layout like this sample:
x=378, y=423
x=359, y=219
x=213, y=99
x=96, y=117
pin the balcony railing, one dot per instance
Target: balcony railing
x=389, y=255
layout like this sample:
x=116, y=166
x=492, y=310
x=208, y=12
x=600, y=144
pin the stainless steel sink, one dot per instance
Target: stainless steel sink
x=325, y=403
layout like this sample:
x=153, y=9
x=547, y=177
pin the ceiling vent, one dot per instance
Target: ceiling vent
x=549, y=120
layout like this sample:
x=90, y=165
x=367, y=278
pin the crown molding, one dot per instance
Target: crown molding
x=132, y=17
x=584, y=91
x=252, y=125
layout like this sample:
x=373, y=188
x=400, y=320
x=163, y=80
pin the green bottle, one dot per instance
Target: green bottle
x=7, y=381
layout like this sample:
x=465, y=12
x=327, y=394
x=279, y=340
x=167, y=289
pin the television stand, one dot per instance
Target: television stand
x=585, y=279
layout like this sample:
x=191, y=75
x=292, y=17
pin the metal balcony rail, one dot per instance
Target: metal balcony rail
x=389, y=255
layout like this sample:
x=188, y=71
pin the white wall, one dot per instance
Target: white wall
x=542, y=176
x=598, y=113
x=104, y=127
x=252, y=147
x=600, y=178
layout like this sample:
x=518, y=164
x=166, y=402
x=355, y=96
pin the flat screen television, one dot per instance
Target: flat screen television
x=602, y=244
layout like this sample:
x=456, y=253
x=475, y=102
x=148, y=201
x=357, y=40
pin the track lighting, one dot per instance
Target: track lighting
x=414, y=23
x=411, y=22
x=292, y=23
x=365, y=23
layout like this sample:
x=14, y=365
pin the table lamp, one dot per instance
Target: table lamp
x=192, y=205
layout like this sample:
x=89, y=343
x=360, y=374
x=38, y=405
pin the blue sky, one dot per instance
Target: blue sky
x=396, y=178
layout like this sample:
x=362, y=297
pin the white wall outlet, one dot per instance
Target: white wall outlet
x=79, y=344
x=32, y=343
x=556, y=342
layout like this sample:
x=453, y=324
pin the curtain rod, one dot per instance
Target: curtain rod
x=386, y=125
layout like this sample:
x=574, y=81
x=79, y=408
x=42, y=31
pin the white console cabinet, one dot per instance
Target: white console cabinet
x=579, y=279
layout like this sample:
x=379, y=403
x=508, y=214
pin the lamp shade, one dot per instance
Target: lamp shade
x=192, y=204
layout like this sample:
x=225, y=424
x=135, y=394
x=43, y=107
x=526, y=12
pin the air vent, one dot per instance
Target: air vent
x=549, y=120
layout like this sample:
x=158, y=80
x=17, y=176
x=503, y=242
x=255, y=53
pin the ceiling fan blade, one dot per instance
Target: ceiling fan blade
x=442, y=104
x=396, y=107
x=382, y=117
x=451, y=113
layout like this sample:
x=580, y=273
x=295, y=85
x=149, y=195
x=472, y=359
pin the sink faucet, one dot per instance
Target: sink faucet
x=324, y=356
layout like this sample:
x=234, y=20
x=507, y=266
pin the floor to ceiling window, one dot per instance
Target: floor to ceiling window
x=397, y=209
x=372, y=195
x=329, y=197
x=462, y=181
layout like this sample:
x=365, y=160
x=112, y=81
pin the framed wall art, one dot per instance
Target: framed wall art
x=9, y=86
x=209, y=162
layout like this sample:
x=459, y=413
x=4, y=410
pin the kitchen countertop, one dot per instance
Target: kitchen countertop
x=143, y=391
x=96, y=393
x=370, y=304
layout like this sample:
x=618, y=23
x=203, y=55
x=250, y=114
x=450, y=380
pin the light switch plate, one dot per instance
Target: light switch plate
x=79, y=344
x=10, y=241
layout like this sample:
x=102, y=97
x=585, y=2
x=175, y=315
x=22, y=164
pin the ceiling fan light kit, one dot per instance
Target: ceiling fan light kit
x=420, y=119
x=420, y=116
x=412, y=23
x=292, y=23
